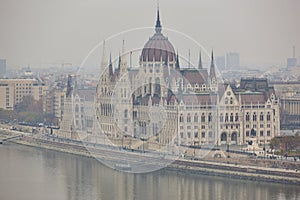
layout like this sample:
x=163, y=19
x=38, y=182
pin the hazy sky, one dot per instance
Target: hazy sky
x=41, y=32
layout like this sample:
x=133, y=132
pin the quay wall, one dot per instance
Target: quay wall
x=275, y=175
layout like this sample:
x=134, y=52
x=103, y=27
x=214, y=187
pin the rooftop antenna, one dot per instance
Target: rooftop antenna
x=294, y=52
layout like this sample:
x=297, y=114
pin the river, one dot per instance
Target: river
x=28, y=173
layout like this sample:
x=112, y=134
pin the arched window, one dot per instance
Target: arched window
x=231, y=117
x=203, y=117
x=209, y=117
x=181, y=118
x=196, y=118
x=268, y=116
x=247, y=117
x=221, y=117
x=223, y=137
x=226, y=117
x=234, y=136
x=188, y=118
x=254, y=116
x=236, y=117
x=261, y=117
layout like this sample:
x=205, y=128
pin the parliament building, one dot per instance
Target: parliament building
x=161, y=102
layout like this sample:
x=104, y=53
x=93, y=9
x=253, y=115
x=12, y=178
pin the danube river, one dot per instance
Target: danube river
x=28, y=173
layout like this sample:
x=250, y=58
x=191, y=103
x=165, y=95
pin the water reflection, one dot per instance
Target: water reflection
x=29, y=173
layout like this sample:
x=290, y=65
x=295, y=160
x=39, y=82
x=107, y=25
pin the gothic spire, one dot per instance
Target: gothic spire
x=177, y=66
x=158, y=25
x=212, y=72
x=110, y=66
x=119, y=64
x=200, y=61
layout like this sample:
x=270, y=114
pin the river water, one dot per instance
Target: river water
x=28, y=173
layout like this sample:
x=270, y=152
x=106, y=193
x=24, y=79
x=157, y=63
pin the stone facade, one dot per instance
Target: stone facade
x=163, y=103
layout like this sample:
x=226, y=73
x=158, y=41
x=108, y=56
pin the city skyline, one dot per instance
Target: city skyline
x=40, y=34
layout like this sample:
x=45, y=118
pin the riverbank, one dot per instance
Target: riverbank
x=281, y=172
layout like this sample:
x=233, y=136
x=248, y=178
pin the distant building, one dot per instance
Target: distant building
x=12, y=91
x=53, y=105
x=220, y=62
x=2, y=68
x=232, y=61
x=290, y=112
x=292, y=62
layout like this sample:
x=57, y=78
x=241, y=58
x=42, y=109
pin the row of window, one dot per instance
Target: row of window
x=196, y=134
x=261, y=116
x=203, y=118
x=226, y=118
x=230, y=118
x=23, y=84
x=261, y=133
x=260, y=126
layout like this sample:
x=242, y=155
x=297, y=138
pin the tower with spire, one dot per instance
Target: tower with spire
x=212, y=74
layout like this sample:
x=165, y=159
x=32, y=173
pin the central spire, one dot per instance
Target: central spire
x=158, y=25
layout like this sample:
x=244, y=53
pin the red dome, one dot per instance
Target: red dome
x=157, y=48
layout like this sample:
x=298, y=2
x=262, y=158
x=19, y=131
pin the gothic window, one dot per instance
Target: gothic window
x=181, y=118
x=223, y=137
x=236, y=117
x=261, y=133
x=231, y=100
x=226, y=117
x=247, y=133
x=261, y=117
x=268, y=116
x=188, y=119
x=189, y=134
x=209, y=117
x=254, y=116
x=221, y=117
x=196, y=118
x=203, y=118
x=231, y=117
x=247, y=117
x=196, y=134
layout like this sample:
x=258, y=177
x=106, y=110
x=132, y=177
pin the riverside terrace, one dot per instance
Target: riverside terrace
x=252, y=168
